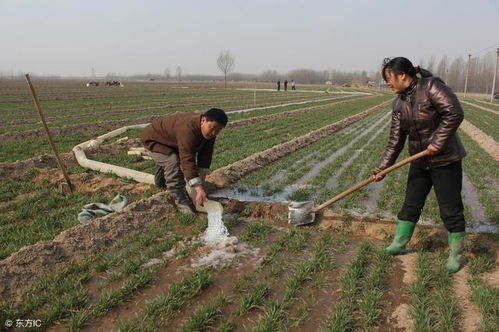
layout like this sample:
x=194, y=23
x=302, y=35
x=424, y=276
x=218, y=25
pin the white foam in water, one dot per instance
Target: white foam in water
x=216, y=231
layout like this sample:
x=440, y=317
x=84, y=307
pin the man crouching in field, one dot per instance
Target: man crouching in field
x=182, y=145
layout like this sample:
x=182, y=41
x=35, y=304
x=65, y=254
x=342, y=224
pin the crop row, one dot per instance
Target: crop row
x=29, y=147
x=83, y=291
x=29, y=120
x=433, y=300
x=488, y=122
x=275, y=177
x=92, y=116
x=494, y=105
x=169, y=97
x=22, y=221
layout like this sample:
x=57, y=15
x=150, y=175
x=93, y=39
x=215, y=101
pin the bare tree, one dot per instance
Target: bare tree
x=167, y=74
x=225, y=63
x=431, y=64
x=442, y=68
x=179, y=73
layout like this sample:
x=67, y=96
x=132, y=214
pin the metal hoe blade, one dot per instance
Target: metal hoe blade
x=300, y=213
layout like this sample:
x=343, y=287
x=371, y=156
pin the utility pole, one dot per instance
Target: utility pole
x=254, y=95
x=494, y=80
x=467, y=73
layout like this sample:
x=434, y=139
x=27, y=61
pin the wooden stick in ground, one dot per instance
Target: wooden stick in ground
x=49, y=137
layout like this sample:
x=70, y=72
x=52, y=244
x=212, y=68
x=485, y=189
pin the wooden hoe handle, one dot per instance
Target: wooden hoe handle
x=366, y=182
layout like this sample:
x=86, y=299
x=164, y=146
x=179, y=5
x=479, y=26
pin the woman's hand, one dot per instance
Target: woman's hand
x=432, y=150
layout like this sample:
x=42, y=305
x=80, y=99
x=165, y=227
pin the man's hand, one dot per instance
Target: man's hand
x=200, y=194
x=432, y=150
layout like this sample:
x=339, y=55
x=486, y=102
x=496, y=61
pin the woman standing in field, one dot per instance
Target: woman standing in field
x=427, y=112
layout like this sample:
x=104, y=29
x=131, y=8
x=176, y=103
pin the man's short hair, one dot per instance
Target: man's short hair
x=216, y=114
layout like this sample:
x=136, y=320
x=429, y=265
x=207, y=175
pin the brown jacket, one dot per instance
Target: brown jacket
x=427, y=112
x=180, y=133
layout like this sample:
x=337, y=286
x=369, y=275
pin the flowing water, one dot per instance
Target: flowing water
x=216, y=231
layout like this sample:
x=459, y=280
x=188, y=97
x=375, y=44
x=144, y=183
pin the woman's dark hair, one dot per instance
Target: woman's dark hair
x=216, y=114
x=401, y=65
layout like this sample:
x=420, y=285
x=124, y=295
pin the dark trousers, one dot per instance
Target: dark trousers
x=447, y=181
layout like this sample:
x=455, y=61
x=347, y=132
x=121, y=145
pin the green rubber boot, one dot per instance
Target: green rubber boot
x=456, y=248
x=402, y=236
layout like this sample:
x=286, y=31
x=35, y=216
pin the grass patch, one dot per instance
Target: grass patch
x=256, y=233
x=160, y=309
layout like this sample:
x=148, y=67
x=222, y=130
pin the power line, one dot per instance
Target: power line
x=485, y=49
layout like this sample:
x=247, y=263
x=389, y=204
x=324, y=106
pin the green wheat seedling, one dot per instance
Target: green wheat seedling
x=164, y=306
x=483, y=173
x=341, y=317
x=275, y=311
x=372, y=292
x=256, y=233
x=206, y=315
x=486, y=296
x=255, y=297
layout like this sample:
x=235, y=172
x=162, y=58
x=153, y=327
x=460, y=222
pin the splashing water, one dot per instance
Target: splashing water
x=216, y=231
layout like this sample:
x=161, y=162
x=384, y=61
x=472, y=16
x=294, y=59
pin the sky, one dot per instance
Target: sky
x=126, y=37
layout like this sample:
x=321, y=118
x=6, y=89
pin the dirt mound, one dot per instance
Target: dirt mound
x=17, y=169
x=485, y=141
x=88, y=183
x=20, y=270
x=257, y=210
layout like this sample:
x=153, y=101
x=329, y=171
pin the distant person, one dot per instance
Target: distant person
x=181, y=145
x=427, y=113
x=278, y=85
x=286, y=85
x=293, y=85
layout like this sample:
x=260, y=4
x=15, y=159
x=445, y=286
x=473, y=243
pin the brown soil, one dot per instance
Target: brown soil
x=257, y=210
x=92, y=183
x=484, y=140
x=395, y=299
x=471, y=317
x=17, y=169
x=230, y=174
